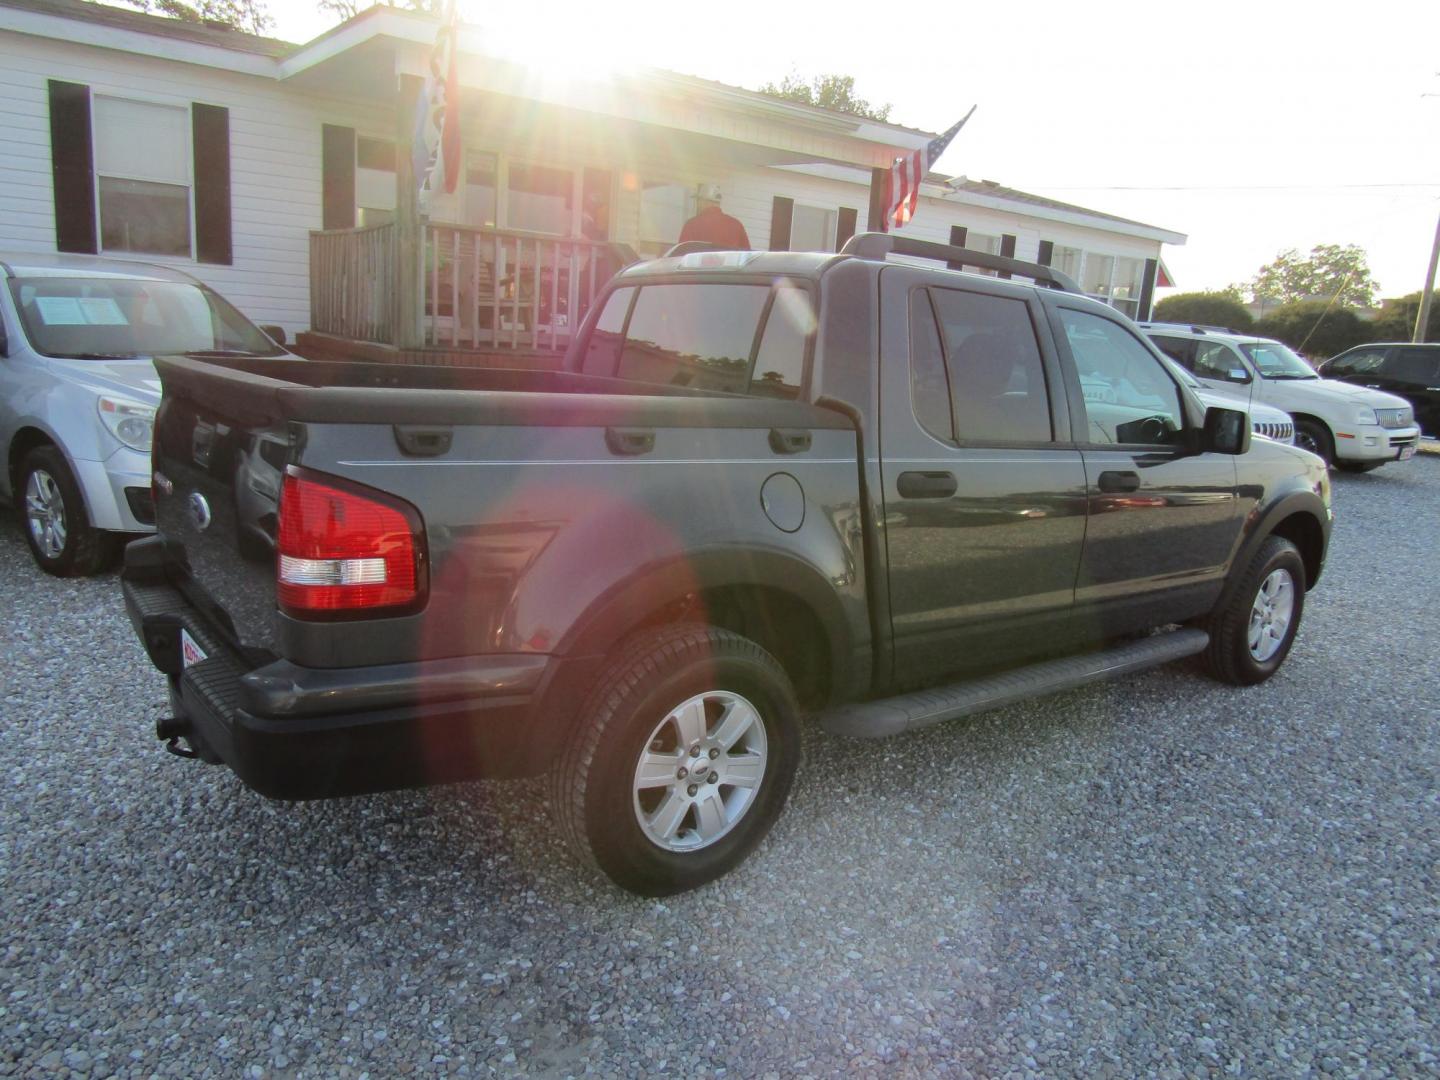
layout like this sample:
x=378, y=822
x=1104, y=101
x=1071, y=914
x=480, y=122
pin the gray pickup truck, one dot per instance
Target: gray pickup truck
x=877, y=492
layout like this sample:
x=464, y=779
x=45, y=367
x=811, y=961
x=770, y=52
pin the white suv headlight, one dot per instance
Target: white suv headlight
x=129, y=421
x=1365, y=416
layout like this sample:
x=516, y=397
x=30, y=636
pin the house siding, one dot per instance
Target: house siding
x=274, y=162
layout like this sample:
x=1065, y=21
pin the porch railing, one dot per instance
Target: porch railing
x=352, y=283
x=500, y=289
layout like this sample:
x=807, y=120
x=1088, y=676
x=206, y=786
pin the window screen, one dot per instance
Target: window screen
x=694, y=335
x=997, y=383
x=1129, y=396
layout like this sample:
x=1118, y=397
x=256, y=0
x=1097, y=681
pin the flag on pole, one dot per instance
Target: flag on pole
x=902, y=185
x=435, y=149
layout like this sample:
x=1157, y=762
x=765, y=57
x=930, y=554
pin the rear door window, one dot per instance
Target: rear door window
x=1181, y=350
x=997, y=380
x=1413, y=366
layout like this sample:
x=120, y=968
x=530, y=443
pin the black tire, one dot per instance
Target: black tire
x=1358, y=466
x=1229, y=655
x=54, y=520
x=594, y=788
x=1314, y=436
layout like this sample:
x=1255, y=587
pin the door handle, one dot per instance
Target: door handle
x=1372, y=386
x=1116, y=482
x=628, y=442
x=926, y=485
x=788, y=441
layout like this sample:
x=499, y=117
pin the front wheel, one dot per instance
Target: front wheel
x=54, y=520
x=681, y=760
x=1251, y=636
x=1314, y=436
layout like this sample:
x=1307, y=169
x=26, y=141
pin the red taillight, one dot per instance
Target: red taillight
x=345, y=548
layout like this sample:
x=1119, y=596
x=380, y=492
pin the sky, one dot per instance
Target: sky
x=1250, y=127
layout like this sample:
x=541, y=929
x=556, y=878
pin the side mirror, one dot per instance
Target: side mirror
x=1227, y=431
x=275, y=333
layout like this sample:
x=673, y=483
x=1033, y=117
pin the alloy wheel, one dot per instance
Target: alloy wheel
x=1270, y=614
x=45, y=513
x=700, y=771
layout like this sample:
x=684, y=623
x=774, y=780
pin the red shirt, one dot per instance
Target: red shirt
x=713, y=226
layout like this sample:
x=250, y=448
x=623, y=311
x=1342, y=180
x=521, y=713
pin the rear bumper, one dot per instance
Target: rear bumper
x=306, y=733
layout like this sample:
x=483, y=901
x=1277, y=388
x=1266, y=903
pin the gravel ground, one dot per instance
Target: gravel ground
x=1165, y=877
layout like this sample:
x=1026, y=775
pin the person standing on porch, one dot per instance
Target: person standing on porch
x=712, y=225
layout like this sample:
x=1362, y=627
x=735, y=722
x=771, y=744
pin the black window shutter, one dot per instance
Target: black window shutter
x=782, y=210
x=957, y=239
x=1147, y=290
x=72, y=167
x=337, y=177
x=210, y=143
x=1007, y=249
x=845, y=225
x=1047, y=252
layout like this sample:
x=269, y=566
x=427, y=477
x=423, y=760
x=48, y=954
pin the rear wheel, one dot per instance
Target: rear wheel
x=1251, y=636
x=54, y=520
x=682, y=759
x=1314, y=436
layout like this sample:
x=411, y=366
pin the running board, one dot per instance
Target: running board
x=909, y=712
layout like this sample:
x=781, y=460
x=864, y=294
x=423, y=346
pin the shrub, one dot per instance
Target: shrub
x=1206, y=309
x=1309, y=328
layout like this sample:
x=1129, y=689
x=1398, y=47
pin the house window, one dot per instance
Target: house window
x=812, y=229
x=374, y=180
x=1095, y=279
x=1125, y=285
x=1115, y=279
x=480, y=190
x=541, y=199
x=982, y=242
x=1066, y=260
x=142, y=167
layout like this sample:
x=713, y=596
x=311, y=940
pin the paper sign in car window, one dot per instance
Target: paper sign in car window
x=102, y=311
x=60, y=311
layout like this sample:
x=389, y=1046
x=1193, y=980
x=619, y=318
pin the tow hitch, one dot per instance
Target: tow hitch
x=172, y=729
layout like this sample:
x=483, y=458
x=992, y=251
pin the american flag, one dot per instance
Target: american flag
x=435, y=150
x=902, y=184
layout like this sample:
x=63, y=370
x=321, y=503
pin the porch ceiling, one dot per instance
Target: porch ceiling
x=665, y=113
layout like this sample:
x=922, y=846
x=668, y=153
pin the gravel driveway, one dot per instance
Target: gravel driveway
x=1161, y=877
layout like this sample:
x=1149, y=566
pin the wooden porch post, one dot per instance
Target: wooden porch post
x=409, y=239
x=876, y=217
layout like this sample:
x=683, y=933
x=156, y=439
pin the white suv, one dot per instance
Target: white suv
x=1351, y=427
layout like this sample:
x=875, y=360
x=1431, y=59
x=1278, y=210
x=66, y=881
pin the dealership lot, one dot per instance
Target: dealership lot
x=1161, y=876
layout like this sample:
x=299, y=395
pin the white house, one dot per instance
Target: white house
x=271, y=171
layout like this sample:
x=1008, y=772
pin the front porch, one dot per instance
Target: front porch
x=563, y=182
x=470, y=292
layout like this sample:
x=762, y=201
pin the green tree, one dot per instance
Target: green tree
x=1222, y=308
x=1397, y=318
x=248, y=15
x=1314, y=327
x=827, y=91
x=347, y=9
x=1330, y=270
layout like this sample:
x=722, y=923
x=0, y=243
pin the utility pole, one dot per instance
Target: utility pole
x=1423, y=319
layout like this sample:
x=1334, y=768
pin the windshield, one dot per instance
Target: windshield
x=1276, y=361
x=109, y=318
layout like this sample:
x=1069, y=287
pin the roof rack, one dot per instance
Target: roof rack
x=875, y=245
x=1194, y=328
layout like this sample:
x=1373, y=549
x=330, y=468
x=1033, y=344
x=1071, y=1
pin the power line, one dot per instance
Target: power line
x=1226, y=187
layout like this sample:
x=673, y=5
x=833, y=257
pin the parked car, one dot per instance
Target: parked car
x=1410, y=370
x=78, y=392
x=765, y=484
x=1265, y=421
x=1351, y=427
